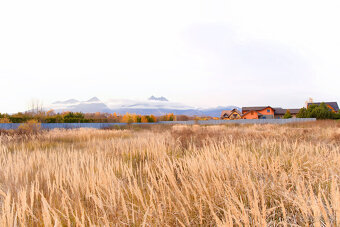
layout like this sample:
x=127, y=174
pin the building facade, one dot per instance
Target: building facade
x=258, y=112
x=231, y=114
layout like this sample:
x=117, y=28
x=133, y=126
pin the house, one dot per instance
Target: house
x=231, y=114
x=331, y=105
x=258, y=112
x=266, y=112
x=279, y=112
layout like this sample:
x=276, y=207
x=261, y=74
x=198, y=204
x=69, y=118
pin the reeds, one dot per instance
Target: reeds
x=261, y=175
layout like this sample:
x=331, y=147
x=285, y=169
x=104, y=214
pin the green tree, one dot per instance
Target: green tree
x=287, y=115
x=75, y=118
x=337, y=115
x=317, y=111
x=302, y=113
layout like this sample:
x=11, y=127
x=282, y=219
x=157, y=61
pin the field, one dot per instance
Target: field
x=251, y=175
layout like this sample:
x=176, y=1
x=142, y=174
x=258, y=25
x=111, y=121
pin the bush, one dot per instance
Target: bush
x=20, y=118
x=5, y=120
x=30, y=127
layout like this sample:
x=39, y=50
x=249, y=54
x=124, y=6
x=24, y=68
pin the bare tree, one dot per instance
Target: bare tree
x=35, y=106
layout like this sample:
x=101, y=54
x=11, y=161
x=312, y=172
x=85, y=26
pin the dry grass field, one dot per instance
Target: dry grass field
x=256, y=175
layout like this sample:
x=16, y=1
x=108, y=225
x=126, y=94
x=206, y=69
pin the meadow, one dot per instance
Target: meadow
x=249, y=175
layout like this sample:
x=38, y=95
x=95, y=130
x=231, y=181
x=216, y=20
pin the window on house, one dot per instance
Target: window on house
x=268, y=110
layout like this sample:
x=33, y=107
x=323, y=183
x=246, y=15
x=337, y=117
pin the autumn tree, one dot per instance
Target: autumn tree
x=50, y=112
x=113, y=117
x=168, y=117
x=144, y=119
x=128, y=118
x=137, y=118
x=5, y=120
x=152, y=118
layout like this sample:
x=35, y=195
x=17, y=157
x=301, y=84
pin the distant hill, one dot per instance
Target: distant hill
x=154, y=105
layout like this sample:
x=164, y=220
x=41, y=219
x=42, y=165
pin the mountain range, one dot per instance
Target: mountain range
x=154, y=105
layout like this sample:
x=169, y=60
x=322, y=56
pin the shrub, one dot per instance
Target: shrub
x=20, y=118
x=183, y=118
x=5, y=120
x=30, y=127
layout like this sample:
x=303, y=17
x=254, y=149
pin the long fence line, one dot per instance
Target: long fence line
x=208, y=122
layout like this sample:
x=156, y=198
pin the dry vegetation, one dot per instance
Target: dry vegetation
x=185, y=175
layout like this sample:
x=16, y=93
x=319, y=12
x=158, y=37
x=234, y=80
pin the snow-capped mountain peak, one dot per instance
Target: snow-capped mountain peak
x=93, y=99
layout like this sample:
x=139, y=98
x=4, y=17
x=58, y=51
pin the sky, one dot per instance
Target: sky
x=201, y=53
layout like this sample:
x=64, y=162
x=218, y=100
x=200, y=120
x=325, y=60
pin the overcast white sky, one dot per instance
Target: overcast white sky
x=203, y=53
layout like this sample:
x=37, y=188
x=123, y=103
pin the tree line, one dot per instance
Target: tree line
x=78, y=117
x=320, y=111
x=313, y=111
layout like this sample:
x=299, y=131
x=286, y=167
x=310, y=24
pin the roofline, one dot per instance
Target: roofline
x=263, y=107
x=230, y=112
x=250, y=112
x=256, y=107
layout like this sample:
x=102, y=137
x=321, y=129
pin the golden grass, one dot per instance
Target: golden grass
x=259, y=175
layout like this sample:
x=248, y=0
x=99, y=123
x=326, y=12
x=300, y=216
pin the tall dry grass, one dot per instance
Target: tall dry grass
x=260, y=175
